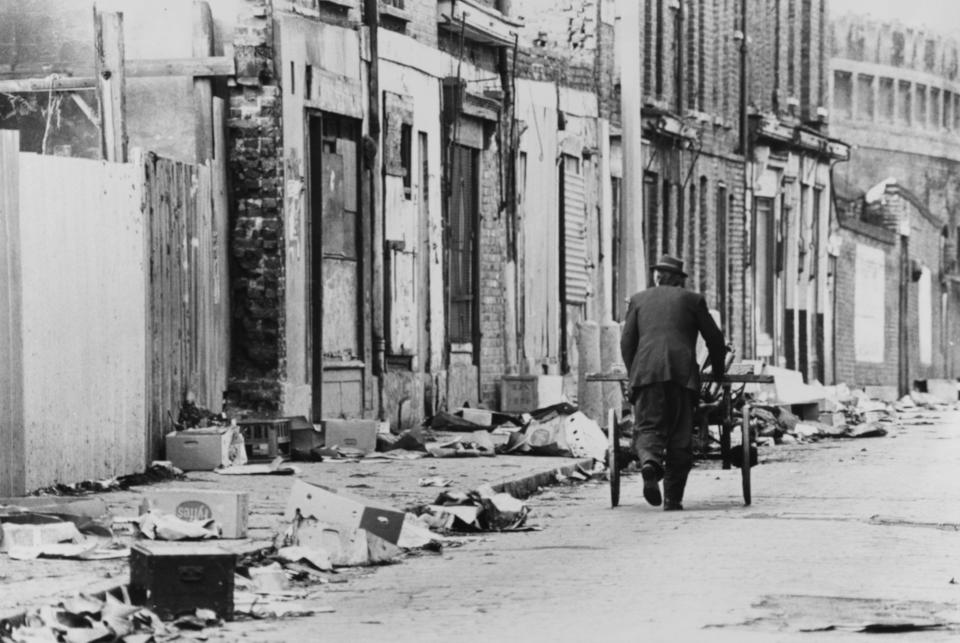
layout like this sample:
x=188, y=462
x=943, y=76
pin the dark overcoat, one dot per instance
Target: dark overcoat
x=659, y=338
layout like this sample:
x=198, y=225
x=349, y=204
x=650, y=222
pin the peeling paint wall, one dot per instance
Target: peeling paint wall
x=335, y=50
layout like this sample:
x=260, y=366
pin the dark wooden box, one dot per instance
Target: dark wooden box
x=177, y=578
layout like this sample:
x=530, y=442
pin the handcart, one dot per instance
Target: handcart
x=718, y=402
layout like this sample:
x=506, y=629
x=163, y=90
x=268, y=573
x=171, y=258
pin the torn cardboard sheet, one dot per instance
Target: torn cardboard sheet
x=314, y=556
x=332, y=507
x=89, y=549
x=261, y=607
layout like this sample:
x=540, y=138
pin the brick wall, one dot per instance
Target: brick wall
x=257, y=267
x=848, y=369
x=924, y=250
x=493, y=254
x=423, y=24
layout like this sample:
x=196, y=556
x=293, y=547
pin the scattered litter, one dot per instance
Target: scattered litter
x=37, y=533
x=408, y=440
x=434, y=481
x=560, y=434
x=318, y=558
x=396, y=454
x=277, y=467
x=328, y=505
x=90, y=549
x=269, y=579
x=479, y=510
x=260, y=607
x=85, y=619
x=476, y=444
x=158, y=471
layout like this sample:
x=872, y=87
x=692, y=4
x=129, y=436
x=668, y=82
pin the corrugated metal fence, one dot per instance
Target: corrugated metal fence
x=113, y=307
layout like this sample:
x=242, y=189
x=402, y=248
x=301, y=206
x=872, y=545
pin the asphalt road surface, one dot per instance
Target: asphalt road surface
x=842, y=536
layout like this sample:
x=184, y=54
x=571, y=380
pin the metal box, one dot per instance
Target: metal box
x=173, y=579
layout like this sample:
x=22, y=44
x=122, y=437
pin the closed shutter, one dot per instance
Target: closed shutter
x=576, y=259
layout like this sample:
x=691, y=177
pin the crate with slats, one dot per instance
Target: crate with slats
x=266, y=439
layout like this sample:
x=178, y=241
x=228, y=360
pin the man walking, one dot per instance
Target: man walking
x=658, y=345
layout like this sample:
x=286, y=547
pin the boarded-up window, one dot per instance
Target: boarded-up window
x=765, y=248
x=868, y=305
x=397, y=137
x=576, y=257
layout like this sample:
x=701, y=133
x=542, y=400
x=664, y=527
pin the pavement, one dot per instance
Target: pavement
x=393, y=483
x=842, y=534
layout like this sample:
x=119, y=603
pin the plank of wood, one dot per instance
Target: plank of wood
x=202, y=88
x=12, y=461
x=199, y=66
x=108, y=28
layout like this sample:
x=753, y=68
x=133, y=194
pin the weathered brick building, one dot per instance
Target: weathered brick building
x=895, y=97
x=738, y=182
x=426, y=194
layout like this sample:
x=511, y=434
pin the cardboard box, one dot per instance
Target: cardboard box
x=346, y=546
x=80, y=507
x=354, y=434
x=230, y=509
x=525, y=393
x=199, y=449
x=304, y=436
x=37, y=535
x=331, y=507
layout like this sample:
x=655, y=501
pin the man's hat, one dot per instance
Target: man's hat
x=670, y=264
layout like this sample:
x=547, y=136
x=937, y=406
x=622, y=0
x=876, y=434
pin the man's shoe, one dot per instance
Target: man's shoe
x=651, y=485
x=672, y=506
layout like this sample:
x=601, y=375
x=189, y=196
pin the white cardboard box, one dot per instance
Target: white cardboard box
x=229, y=508
x=525, y=393
x=199, y=449
x=331, y=507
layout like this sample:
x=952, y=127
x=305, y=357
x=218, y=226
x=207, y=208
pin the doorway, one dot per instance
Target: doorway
x=338, y=329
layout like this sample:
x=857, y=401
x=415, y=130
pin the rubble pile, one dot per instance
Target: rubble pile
x=842, y=414
x=86, y=619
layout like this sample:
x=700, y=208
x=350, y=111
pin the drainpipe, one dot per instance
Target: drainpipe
x=903, y=338
x=508, y=156
x=372, y=158
x=748, y=342
x=633, y=260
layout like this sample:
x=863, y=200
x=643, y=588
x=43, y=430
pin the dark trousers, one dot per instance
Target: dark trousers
x=663, y=433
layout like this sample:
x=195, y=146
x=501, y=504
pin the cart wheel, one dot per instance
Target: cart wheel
x=745, y=449
x=613, y=456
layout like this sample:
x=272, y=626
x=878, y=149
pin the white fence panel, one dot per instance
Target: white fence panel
x=84, y=319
